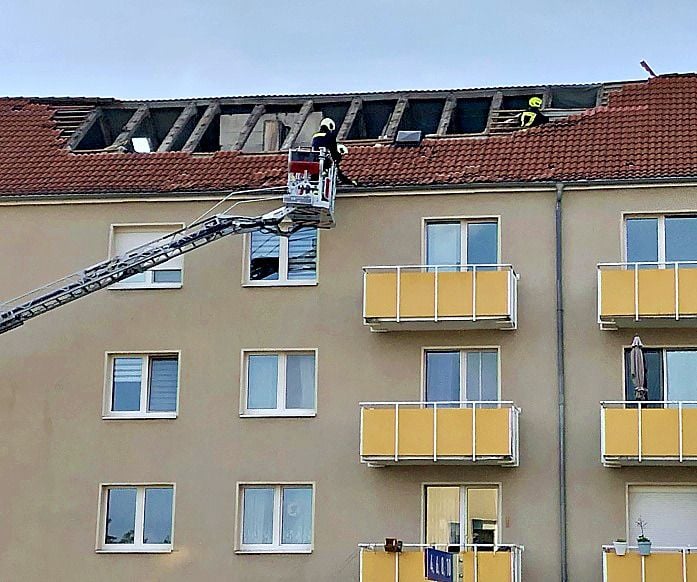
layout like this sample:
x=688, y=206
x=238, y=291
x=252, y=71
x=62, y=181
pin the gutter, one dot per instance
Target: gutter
x=561, y=387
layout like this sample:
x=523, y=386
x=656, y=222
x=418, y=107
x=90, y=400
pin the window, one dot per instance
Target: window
x=660, y=239
x=280, y=383
x=280, y=260
x=276, y=518
x=459, y=375
x=670, y=514
x=164, y=276
x=460, y=242
x=136, y=518
x=461, y=514
x=142, y=145
x=142, y=386
x=671, y=374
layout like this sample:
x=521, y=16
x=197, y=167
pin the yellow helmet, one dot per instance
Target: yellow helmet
x=535, y=102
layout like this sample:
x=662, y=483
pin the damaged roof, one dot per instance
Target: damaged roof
x=647, y=130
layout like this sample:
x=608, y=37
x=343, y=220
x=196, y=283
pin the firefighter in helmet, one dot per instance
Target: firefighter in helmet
x=326, y=138
x=532, y=116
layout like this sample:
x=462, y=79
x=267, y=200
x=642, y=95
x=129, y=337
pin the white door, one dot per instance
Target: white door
x=670, y=515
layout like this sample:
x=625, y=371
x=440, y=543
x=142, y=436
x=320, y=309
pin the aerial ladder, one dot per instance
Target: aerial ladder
x=307, y=202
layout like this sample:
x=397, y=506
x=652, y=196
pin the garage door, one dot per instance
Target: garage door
x=670, y=514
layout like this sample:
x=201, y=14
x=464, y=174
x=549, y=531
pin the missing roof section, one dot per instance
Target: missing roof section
x=272, y=124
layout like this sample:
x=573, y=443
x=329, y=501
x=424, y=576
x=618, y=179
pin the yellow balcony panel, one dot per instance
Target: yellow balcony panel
x=647, y=295
x=423, y=433
x=476, y=564
x=425, y=297
x=663, y=565
x=653, y=434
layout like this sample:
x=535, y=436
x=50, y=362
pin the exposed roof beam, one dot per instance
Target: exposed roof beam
x=447, y=115
x=496, y=102
x=175, y=131
x=248, y=126
x=130, y=128
x=395, y=118
x=351, y=114
x=195, y=138
x=300, y=120
x=81, y=131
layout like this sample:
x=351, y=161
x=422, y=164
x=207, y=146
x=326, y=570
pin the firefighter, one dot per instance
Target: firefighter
x=326, y=138
x=532, y=116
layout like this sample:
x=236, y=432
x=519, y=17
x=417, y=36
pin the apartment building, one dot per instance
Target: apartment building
x=448, y=366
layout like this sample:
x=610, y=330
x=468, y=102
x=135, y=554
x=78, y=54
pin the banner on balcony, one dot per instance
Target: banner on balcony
x=438, y=565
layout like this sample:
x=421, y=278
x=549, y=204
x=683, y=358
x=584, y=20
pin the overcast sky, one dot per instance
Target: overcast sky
x=190, y=48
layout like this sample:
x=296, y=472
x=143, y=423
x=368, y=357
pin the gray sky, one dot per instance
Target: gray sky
x=191, y=48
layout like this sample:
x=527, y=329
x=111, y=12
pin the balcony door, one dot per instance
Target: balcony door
x=461, y=515
x=669, y=513
x=459, y=242
x=661, y=239
x=671, y=375
x=462, y=375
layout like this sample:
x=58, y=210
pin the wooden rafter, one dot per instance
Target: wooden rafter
x=395, y=118
x=130, y=128
x=351, y=114
x=300, y=120
x=248, y=126
x=496, y=102
x=81, y=132
x=194, y=140
x=175, y=131
x=447, y=115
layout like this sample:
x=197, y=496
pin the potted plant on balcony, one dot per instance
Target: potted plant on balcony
x=643, y=542
x=620, y=547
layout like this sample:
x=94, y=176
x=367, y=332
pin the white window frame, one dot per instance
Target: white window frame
x=664, y=366
x=143, y=413
x=464, y=526
x=280, y=410
x=158, y=228
x=464, y=221
x=282, y=280
x=463, y=367
x=138, y=547
x=661, y=217
x=276, y=547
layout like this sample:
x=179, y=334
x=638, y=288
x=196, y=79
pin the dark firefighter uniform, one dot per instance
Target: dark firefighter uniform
x=532, y=116
x=326, y=138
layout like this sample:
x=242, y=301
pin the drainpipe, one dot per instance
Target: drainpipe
x=560, y=383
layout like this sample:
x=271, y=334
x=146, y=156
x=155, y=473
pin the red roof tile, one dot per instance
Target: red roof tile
x=648, y=130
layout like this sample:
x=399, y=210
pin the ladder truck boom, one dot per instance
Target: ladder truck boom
x=309, y=202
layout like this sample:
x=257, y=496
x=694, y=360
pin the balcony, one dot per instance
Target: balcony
x=424, y=433
x=647, y=295
x=649, y=433
x=423, y=297
x=663, y=565
x=478, y=563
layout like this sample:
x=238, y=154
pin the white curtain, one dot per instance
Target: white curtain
x=257, y=526
x=297, y=515
x=300, y=381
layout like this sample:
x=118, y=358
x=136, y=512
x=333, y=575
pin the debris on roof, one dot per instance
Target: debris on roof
x=636, y=130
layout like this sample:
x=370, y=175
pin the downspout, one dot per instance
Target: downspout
x=560, y=383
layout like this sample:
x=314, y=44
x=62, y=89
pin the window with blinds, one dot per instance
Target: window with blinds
x=142, y=385
x=165, y=276
x=279, y=260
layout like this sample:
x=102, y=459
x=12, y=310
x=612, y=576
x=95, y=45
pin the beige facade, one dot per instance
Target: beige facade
x=56, y=448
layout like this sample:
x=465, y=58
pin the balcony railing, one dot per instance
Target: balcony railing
x=648, y=294
x=421, y=297
x=677, y=564
x=649, y=433
x=476, y=563
x=421, y=433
